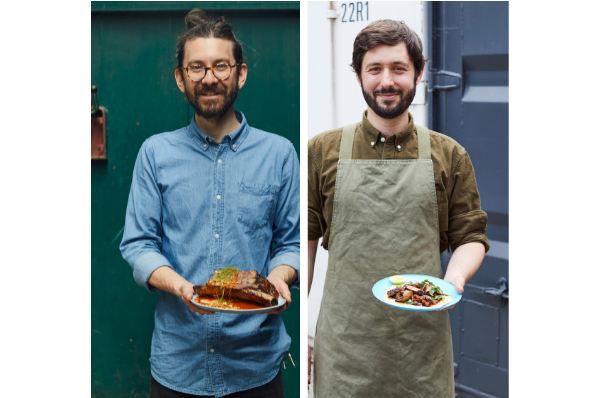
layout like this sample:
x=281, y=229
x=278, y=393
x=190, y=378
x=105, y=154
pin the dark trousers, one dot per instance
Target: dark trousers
x=272, y=389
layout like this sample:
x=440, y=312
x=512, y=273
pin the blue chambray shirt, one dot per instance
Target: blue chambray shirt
x=197, y=206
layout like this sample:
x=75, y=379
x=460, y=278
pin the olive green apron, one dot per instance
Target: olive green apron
x=384, y=223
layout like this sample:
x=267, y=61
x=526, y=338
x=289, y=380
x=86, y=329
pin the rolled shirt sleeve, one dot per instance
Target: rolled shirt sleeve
x=467, y=222
x=142, y=236
x=316, y=220
x=286, y=228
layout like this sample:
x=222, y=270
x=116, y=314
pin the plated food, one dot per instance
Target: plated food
x=424, y=293
x=451, y=297
x=230, y=288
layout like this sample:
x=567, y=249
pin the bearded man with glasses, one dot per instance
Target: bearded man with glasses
x=214, y=194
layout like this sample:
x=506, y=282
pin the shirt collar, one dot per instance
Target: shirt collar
x=374, y=136
x=234, y=140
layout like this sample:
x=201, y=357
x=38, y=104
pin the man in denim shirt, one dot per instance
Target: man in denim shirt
x=216, y=193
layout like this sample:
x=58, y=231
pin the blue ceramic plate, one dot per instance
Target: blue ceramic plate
x=381, y=287
x=280, y=303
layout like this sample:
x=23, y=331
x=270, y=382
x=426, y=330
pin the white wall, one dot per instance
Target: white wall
x=326, y=111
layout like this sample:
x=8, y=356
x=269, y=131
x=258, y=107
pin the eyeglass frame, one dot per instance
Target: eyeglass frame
x=206, y=68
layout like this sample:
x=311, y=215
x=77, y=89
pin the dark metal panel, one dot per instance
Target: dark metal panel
x=504, y=341
x=477, y=341
x=484, y=127
x=483, y=377
x=188, y=5
x=470, y=39
x=485, y=28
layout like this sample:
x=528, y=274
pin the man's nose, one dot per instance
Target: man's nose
x=210, y=78
x=387, y=78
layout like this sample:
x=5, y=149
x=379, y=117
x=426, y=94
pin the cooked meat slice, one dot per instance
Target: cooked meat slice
x=253, y=295
x=415, y=290
x=393, y=292
x=427, y=288
x=427, y=304
x=406, y=296
x=235, y=279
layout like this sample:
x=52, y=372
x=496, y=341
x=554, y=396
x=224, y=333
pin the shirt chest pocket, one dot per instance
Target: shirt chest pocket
x=255, y=204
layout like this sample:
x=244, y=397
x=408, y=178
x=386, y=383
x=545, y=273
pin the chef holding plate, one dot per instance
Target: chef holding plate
x=387, y=197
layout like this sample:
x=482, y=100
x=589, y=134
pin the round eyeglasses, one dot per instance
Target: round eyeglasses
x=221, y=71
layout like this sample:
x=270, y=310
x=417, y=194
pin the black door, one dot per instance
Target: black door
x=470, y=104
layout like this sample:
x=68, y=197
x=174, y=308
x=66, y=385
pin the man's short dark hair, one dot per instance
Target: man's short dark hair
x=199, y=24
x=389, y=32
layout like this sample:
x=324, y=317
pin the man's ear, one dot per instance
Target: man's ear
x=420, y=75
x=243, y=73
x=179, y=79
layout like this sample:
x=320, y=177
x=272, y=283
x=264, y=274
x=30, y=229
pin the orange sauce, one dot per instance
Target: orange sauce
x=232, y=304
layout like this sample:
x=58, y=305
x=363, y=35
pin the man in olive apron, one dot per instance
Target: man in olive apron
x=387, y=197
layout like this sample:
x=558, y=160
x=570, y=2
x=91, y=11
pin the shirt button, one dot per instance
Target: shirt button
x=399, y=147
x=372, y=143
x=382, y=139
x=216, y=236
x=212, y=350
x=205, y=145
x=220, y=161
x=217, y=196
x=233, y=145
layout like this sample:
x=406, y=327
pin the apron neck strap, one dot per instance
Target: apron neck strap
x=424, y=142
x=347, y=141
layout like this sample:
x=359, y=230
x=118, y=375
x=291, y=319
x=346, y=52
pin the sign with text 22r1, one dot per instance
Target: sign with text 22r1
x=354, y=12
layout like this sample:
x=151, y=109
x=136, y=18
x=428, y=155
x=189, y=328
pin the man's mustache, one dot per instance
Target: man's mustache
x=387, y=91
x=209, y=91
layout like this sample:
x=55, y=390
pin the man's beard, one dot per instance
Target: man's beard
x=213, y=109
x=389, y=112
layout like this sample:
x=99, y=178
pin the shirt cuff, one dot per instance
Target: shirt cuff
x=316, y=225
x=290, y=259
x=473, y=237
x=145, y=265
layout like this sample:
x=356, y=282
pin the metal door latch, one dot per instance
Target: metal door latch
x=501, y=292
x=450, y=79
x=98, y=137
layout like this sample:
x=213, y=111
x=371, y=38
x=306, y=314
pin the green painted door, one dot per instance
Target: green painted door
x=133, y=56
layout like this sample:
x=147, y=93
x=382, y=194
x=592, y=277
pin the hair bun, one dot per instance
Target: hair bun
x=195, y=17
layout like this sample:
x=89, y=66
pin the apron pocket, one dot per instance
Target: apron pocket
x=255, y=204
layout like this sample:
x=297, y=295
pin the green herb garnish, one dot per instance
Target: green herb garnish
x=226, y=275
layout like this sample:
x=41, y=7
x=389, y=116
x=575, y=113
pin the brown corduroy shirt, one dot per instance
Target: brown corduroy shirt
x=461, y=220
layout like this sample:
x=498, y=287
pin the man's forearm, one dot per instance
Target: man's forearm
x=165, y=278
x=464, y=263
x=286, y=272
x=312, y=248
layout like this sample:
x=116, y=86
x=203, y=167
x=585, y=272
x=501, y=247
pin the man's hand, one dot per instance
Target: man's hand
x=165, y=278
x=185, y=293
x=458, y=282
x=309, y=366
x=464, y=263
x=281, y=276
